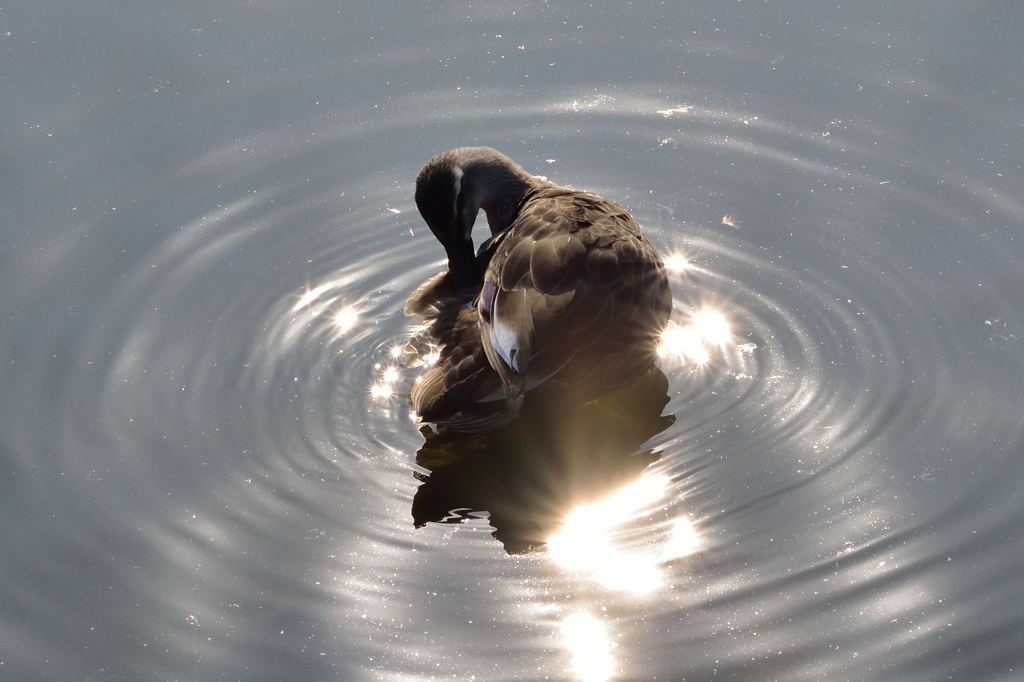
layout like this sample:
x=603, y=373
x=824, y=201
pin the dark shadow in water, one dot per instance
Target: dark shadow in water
x=555, y=456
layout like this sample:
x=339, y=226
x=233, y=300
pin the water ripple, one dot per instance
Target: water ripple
x=233, y=403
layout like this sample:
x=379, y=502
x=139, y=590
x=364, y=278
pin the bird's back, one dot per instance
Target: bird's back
x=573, y=293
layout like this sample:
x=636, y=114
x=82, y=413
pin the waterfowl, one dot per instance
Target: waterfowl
x=566, y=295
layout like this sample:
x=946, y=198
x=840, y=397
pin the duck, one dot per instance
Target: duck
x=565, y=297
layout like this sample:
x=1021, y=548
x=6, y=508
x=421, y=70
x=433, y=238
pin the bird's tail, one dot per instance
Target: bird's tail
x=461, y=390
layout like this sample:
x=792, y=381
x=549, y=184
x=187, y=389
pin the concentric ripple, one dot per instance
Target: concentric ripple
x=229, y=411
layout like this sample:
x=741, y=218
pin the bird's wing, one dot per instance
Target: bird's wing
x=461, y=390
x=552, y=287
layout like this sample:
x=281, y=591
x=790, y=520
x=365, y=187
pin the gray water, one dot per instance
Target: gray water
x=207, y=466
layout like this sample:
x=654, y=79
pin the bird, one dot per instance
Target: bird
x=565, y=296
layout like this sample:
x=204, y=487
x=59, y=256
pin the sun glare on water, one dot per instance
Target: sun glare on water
x=381, y=391
x=677, y=263
x=707, y=331
x=585, y=543
x=384, y=387
x=345, y=318
x=586, y=639
x=712, y=326
x=313, y=294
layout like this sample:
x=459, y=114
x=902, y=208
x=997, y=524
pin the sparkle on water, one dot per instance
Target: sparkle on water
x=381, y=391
x=346, y=318
x=429, y=358
x=311, y=295
x=389, y=375
x=384, y=387
x=586, y=639
x=711, y=326
x=707, y=330
x=585, y=543
x=677, y=262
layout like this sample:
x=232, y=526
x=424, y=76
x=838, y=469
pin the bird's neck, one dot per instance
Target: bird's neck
x=499, y=186
x=501, y=212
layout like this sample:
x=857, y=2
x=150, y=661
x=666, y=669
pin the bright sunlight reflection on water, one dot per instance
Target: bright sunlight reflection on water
x=586, y=639
x=677, y=263
x=585, y=542
x=311, y=295
x=707, y=330
x=384, y=387
x=346, y=318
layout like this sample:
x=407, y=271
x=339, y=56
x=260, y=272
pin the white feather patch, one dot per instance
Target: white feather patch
x=457, y=172
x=503, y=339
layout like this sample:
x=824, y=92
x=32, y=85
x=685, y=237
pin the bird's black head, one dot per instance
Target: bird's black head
x=441, y=200
x=453, y=187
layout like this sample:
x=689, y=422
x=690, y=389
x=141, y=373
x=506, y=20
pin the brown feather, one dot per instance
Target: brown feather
x=572, y=292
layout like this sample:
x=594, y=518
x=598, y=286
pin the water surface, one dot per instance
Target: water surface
x=208, y=469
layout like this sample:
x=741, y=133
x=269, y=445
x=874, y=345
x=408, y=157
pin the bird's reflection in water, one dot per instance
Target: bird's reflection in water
x=527, y=476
